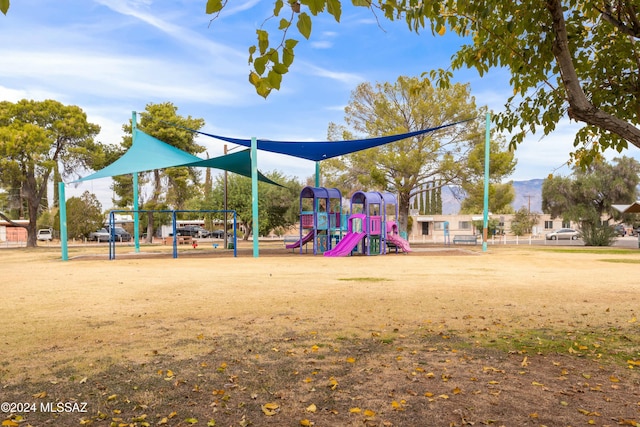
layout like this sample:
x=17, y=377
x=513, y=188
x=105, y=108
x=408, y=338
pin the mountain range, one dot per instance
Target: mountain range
x=528, y=195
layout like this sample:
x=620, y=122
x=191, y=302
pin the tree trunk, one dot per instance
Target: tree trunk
x=403, y=211
x=150, y=227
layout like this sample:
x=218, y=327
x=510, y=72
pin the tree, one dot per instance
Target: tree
x=523, y=221
x=278, y=207
x=84, y=215
x=502, y=164
x=566, y=57
x=588, y=196
x=407, y=166
x=35, y=136
x=172, y=187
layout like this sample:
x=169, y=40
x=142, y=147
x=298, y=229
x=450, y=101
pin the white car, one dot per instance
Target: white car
x=563, y=233
x=45, y=234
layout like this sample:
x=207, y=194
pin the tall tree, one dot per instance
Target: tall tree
x=406, y=166
x=566, y=58
x=170, y=188
x=590, y=193
x=278, y=206
x=35, y=137
x=84, y=215
x=502, y=164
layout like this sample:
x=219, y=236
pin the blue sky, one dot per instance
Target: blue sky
x=112, y=57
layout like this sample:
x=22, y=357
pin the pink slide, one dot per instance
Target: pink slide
x=346, y=245
x=306, y=239
x=399, y=242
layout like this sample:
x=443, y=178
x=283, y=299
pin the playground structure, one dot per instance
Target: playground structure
x=320, y=214
x=370, y=229
x=372, y=226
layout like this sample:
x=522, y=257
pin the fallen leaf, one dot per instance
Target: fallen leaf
x=355, y=410
x=306, y=423
x=40, y=395
x=270, y=409
x=312, y=408
x=351, y=360
x=333, y=383
x=369, y=413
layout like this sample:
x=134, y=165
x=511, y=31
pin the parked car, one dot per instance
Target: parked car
x=217, y=234
x=635, y=231
x=103, y=235
x=45, y=234
x=621, y=230
x=563, y=233
x=193, y=231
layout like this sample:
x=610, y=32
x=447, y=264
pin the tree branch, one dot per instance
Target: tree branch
x=580, y=108
x=10, y=221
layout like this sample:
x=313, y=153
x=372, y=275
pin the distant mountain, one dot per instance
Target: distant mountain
x=528, y=194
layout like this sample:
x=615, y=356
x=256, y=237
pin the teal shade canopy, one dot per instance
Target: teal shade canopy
x=149, y=153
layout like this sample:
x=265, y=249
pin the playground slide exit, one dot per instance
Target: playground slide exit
x=399, y=242
x=306, y=239
x=346, y=245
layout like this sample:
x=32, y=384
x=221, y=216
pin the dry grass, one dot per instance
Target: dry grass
x=514, y=336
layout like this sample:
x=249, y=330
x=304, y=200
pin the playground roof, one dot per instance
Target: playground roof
x=317, y=151
x=149, y=153
x=632, y=208
x=320, y=193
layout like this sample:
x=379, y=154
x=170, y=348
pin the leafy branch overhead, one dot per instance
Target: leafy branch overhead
x=566, y=59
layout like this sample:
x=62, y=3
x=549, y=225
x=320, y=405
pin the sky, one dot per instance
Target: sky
x=113, y=57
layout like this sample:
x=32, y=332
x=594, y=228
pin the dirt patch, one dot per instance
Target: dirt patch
x=434, y=338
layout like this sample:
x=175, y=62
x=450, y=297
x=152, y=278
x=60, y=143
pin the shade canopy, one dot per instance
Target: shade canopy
x=149, y=153
x=317, y=151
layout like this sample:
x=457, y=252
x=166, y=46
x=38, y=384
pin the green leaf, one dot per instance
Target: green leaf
x=4, y=6
x=290, y=44
x=280, y=68
x=304, y=25
x=284, y=24
x=277, y=7
x=315, y=6
x=263, y=41
x=274, y=79
x=213, y=6
x=334, y=7
x=263, y=89
x=365, y=3
x=260, y=64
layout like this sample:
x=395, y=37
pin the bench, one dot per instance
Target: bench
x=185, y=240
x=465, y=239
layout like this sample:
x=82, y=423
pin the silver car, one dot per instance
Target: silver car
x=563, y=233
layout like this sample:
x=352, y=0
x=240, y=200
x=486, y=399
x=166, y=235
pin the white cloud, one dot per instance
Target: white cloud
x=322, y=44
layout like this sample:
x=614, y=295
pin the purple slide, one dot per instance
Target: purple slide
x=346, y=245
x=399, y=242
x=306, y=239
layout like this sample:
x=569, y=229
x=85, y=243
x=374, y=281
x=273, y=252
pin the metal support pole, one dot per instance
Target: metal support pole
x=62, y=205
x=487, y=149
x=136, y=217
x=254, y=195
